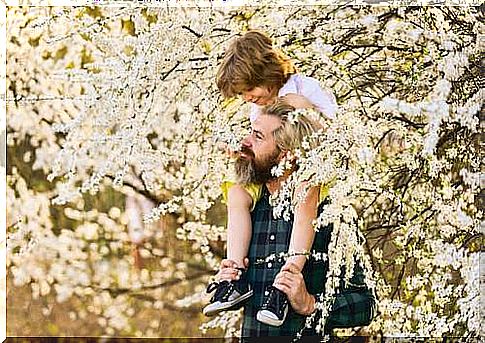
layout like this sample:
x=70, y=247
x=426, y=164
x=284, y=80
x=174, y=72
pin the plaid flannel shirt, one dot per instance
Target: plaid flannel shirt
x=353, y=307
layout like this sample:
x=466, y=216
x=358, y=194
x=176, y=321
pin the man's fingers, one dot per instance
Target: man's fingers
x=229, y=271
x=287, y=280
x=284, y=288
x=285, y=276
x=226, y=263
x=228, y=274
x=291, y=267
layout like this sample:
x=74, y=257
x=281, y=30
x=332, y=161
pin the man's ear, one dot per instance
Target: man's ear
x=282, y=155
x=287, y=154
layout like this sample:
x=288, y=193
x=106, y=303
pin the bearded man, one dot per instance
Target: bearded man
x=273, y=135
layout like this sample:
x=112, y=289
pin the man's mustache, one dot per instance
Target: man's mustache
x=247, y=151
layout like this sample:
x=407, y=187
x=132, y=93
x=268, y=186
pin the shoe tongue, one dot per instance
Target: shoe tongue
x=277, y=297
x=221, y=289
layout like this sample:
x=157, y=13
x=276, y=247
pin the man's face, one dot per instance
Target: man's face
x=261, y=96
x=259, y=152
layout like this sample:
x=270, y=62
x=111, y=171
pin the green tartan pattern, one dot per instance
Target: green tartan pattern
x=352, y=307
x=270, y=236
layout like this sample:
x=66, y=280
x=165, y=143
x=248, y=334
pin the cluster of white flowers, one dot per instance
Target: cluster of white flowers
x=101, y=97
x=202, y=235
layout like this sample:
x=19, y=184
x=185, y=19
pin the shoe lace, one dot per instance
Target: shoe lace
x=276, y=300
x=223, y=290
x=212, y=286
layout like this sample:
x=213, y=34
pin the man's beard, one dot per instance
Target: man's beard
x=250, y=170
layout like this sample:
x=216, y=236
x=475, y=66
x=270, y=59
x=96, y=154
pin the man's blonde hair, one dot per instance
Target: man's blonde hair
x=291, y=134
x=251, y=61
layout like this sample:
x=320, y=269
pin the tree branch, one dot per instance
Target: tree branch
x=118, y=291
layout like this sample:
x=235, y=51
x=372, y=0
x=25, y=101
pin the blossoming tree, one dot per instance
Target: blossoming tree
x=122, y=100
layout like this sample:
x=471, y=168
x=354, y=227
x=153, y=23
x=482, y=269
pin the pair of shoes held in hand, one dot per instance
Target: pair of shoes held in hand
x=231, y=295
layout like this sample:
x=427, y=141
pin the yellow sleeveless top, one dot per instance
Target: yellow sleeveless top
x=254, y=191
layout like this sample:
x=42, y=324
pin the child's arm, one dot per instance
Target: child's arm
x=300, y=101
x=297, y=101
x=302, y=234
x=239, y=227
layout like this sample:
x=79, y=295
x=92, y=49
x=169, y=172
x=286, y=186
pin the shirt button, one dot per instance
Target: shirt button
x=271, y=237
x=270, y=264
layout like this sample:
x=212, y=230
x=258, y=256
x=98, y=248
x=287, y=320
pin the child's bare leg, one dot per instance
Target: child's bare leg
x=302, y=234
x=239, y=227
x=231, y=295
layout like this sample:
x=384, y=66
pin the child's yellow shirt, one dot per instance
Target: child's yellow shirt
x=255, y=190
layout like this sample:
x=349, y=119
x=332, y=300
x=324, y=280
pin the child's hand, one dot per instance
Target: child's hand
x=297, y=101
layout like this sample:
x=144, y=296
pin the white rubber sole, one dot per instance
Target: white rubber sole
x=217, y=307
x=269, y=318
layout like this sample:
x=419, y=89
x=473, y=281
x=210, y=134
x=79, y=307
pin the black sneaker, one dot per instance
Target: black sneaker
x=274, y=309
x=229, y=295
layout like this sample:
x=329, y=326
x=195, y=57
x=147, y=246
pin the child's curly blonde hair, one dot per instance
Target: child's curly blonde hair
x=251, y=61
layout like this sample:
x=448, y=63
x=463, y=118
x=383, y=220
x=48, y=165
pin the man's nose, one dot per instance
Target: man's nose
x=246, y=142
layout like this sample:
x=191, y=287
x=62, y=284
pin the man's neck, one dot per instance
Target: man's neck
x=274, y=185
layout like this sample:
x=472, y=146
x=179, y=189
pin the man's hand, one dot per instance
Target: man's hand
x=290, y=281
x=297, y=101
x=228, y=270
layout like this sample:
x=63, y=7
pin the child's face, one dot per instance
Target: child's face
x=261, y=96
